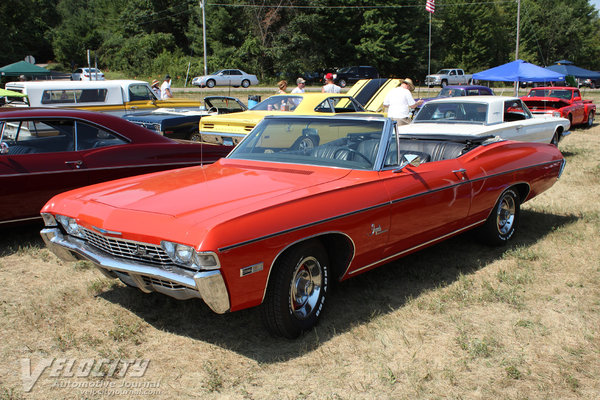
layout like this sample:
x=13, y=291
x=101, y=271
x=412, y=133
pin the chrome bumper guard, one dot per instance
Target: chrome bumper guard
x=207, y=285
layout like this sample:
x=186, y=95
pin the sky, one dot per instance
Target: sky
x=596, y=3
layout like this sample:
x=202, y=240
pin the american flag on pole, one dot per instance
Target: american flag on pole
x=430, y=6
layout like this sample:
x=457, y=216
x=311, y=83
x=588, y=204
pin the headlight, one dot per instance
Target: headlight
x=556, y=114
x=70, y=225
x=188, y=257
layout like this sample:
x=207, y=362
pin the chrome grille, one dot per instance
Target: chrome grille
x=142, y=252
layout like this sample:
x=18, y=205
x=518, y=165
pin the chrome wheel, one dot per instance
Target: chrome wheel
x=297, y=290
x=210, y=83
x=506, y=214
x=502, y=222
x=306, y=287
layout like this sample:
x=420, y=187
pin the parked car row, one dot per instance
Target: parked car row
x=279, y=200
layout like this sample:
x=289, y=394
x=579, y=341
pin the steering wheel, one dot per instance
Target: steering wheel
x=213, y=110
x=3, y=148
x=354, y=152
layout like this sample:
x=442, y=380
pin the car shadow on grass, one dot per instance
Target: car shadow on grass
x=353, y=302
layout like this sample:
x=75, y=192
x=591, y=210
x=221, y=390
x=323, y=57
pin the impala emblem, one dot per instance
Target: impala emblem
x=106, y=231
x=376, y=230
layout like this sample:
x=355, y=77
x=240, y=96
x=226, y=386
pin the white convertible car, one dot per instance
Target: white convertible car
x=506, y=117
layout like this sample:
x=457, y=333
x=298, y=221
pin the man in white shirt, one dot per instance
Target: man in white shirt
x=300, y=88
x=165, y=89
x=399, y=102
x=330, y=87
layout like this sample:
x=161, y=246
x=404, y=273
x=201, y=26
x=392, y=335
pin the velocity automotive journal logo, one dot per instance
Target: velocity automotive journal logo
x=69, y=373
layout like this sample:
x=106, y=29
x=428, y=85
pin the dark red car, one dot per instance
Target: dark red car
x=47, y=151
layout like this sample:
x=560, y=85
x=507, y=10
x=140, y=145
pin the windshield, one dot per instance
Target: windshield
x=279, y=103
x=453, y=112
x=558, y=93
x=451, y=92
x=331, y=142
x=443, y=72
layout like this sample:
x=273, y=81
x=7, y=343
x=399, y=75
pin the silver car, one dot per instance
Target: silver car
x=226, y=77
x=87, y=74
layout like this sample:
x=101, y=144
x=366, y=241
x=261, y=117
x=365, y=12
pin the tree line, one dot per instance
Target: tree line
x=285, y=38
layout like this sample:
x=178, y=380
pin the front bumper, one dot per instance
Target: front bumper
x=222, y=138
x=207, y=285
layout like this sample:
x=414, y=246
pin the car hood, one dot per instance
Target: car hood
x=228, y=187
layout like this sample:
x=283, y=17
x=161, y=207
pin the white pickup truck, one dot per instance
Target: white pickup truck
x=448, y=76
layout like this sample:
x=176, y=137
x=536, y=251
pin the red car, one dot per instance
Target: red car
x=47, y=151
x=275, y=222
x=563, y=102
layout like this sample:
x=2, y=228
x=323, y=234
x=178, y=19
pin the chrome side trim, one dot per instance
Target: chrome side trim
x=209, y=285
x=383, y=260
x=20, y=220
x=233, y=246
x=250, y=241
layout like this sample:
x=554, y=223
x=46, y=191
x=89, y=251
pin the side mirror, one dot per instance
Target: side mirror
x=409, y=159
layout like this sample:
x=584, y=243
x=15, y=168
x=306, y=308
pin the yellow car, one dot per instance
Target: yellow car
x=365, y=96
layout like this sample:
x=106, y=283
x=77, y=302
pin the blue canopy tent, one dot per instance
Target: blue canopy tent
x=518, y=71
x=566, y=67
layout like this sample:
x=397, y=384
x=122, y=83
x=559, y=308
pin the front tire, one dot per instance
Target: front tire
x=590, y=120
x=503, y=221
x=210, y=83
x=342, y=83
x=297, y=290
x=444, y=83
x=555, y=139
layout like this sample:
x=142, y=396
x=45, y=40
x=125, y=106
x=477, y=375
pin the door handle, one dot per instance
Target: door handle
x=77, y=164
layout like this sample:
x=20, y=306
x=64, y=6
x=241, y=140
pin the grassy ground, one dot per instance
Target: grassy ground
x=456, y=321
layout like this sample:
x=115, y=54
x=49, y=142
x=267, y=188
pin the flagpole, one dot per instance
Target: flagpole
x=429, y=58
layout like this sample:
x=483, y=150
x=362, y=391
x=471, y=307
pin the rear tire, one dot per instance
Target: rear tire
x=503, y=220
x=245, y=83
x=297, y=290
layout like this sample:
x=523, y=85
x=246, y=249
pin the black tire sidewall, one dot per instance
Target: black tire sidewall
x=278, y=315
x=490, y=232
x=210, y=83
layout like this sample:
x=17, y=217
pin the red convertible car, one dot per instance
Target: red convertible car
x=47, y=151
x=273, y=223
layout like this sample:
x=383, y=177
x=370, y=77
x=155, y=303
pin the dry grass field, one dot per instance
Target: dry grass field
x=456, y=321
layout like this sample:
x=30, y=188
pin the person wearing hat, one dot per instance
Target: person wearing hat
x=329, y=86
x=155, y=88
x=165, y=88
x=399, y=102
x=300, y=88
